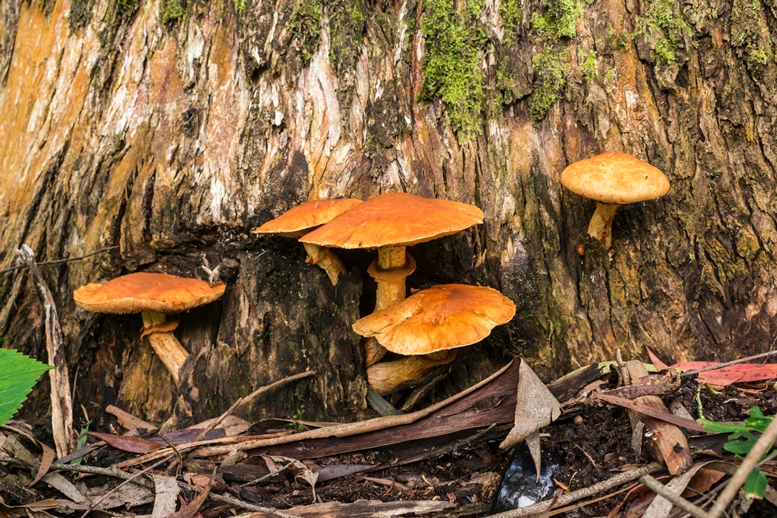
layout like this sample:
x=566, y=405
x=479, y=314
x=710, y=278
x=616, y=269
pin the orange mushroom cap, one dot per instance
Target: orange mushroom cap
x=615, y=178
x=395, y=219
x=306, y=216
x=438, y=318
x=144, y=291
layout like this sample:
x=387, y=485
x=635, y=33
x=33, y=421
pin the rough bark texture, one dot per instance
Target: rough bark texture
x=173, y=128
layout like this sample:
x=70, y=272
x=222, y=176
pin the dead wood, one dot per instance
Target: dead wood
x=61, y=404
x=444, y=421
x=664, y=441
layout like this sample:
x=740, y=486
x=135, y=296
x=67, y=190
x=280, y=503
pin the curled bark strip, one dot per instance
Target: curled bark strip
x=61, y=405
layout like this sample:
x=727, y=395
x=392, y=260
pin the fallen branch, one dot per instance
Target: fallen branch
x=574, y=496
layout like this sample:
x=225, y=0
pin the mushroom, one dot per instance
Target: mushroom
x=153, y=295
x=391, y=222
x=613, y=179
x=305, y=217
x=431, y=322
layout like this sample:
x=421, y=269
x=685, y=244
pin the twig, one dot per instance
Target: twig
x=239, y=503
x=574, y=496
x=113, y=471
x=61, y=404
x=60, y=261
x=676, y=500
x=728, y=364
x=339, y=430
x=269, y=475
x=126, y=481
x=243, y=400
x=748, y=464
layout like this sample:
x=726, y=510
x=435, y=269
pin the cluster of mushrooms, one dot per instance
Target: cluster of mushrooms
x=426, y=328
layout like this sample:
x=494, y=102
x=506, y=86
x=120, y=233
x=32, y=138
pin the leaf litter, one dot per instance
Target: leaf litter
x=440, y=461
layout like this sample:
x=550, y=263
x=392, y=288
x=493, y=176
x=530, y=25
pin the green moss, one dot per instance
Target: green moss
x=550, y=67
x=661, y=28
x=346, y=19
x=451, y=63
x=559, y=19
x=756, y=57
x=240, y=7
x=510, y=12
x=305, y=26
x=173, y=10
x=588, y=64
x=127, y=5
x=555, y=24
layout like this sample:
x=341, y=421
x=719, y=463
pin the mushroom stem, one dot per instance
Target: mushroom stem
x=165, y=344
x=389, y=270
x=600, y=227
x=391, y=288
x=383, y=377
x=327, y=260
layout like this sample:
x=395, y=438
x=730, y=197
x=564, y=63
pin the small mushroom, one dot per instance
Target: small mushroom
x=391, y=222
x=431, y=322
x=613, y=179
x=152, y=295
x=305, y=217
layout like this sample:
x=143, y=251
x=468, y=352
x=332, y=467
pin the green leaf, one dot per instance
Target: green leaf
x=715, y=427
x=18, y=374
x=755, y=485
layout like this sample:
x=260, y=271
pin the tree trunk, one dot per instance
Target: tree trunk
x=172, y=128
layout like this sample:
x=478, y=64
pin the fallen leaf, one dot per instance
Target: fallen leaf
x=45, y=463
x=535, y=407
x=739, y=373
x=657, y=363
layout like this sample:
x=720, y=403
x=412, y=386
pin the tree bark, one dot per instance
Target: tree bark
x=173, y=136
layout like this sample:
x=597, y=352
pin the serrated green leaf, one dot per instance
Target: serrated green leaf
x=18, y=374
x=755, y=485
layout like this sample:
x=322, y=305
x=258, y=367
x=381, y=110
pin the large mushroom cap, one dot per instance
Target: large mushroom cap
x=615, y=178
x=306, y=216
x=395, y=219
x=438, y=318
x=143, y=291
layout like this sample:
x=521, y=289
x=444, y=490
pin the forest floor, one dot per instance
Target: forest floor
x=458, y=473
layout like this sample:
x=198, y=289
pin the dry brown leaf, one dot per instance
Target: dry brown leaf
x=45, y=463
x=535, y=407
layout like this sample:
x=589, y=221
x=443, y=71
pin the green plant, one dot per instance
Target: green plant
x=173, y=10
x=741, y=440
x=510, y=12
x=305, y=25
x=451, y=63
x=588, y=64
x=127, y=5
x=549, y=81
x=661, y=28
x=18, y=374
x=559, y=19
